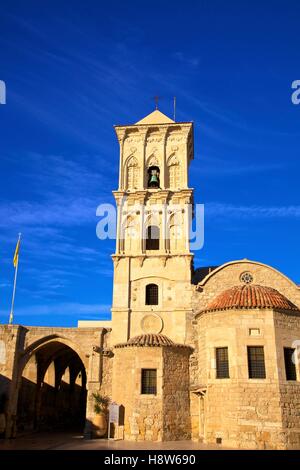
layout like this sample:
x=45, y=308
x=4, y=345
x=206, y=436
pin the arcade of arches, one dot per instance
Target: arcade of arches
x=55, y=376
x=49, y=375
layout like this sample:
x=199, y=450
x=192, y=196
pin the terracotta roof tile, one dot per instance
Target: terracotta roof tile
x=152, y=340
x=250, y=296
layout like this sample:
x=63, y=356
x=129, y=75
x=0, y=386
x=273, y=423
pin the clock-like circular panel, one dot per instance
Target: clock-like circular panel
x=152, y=323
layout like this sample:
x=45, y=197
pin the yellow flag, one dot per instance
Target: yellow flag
x=16, y=255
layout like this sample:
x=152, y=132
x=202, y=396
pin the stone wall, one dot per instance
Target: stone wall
x=244, y=415
x=143, y=413
x=20, y=346
x=176, y=409
x=172, y=275
x=9, y=338
x=106, y=379
x=164, y=416
x=287, y=331
x=243, y=412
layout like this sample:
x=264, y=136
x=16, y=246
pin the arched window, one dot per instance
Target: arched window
x=132, y=174
x=152, y=294
x=174, y=173
x=174, y=176
x=174, y=232
x=152, y=237
x=130, y=235
x=175, y=237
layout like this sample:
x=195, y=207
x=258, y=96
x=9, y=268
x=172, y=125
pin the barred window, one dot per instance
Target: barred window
x=222, y=363
x=256, y=362
x=290, y=368
x=148, y=382
x=152, y=240
x=152, y=294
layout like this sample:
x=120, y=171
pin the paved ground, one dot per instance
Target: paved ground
x=69, y=441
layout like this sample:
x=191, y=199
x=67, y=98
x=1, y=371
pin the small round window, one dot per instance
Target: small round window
x=246, y=278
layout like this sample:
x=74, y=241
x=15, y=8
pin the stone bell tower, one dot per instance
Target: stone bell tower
x=152, y=262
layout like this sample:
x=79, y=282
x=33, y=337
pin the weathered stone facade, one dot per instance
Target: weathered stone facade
x=245, y=412
x=165, y=414
x=175, y=330
x=33, y=367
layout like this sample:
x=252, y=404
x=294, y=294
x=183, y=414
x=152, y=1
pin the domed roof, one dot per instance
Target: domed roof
x=149, y=340
x=248, y=296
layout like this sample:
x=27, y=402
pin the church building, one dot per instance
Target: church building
x=208, y=354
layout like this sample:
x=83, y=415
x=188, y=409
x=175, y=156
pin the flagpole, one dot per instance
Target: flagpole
x=11, y=316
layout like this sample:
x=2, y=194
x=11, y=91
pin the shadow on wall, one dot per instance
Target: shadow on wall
x=43, y=407
x=52, y=392
x=4, y=393
x=50, y=408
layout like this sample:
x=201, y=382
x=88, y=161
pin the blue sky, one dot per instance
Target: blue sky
x=74, y=69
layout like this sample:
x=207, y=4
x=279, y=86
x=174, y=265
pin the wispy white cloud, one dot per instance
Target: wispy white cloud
x=64, y=174
x=232, y=119
x=215, y=167
x=72, y=212
x=181, y=57
x=63, y=309
x=63, y=192
x=116, y=75
x=60, y=199
x=215, y=209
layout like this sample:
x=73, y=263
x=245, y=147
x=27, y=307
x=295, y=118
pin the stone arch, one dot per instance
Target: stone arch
x=152, y=160
x=152, y=237
x=45, y=400
x=250, y=262
x=151, y=220
x=49, y=376
x=33, y=347
x=66, y=375
x=173, y=160
x=156, y=279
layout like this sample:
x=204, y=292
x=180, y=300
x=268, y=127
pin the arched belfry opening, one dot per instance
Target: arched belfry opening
x=152, y=237
x=52, y=390
x=153, y=177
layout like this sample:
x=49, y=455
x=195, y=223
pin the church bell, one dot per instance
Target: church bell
x=154, y=179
